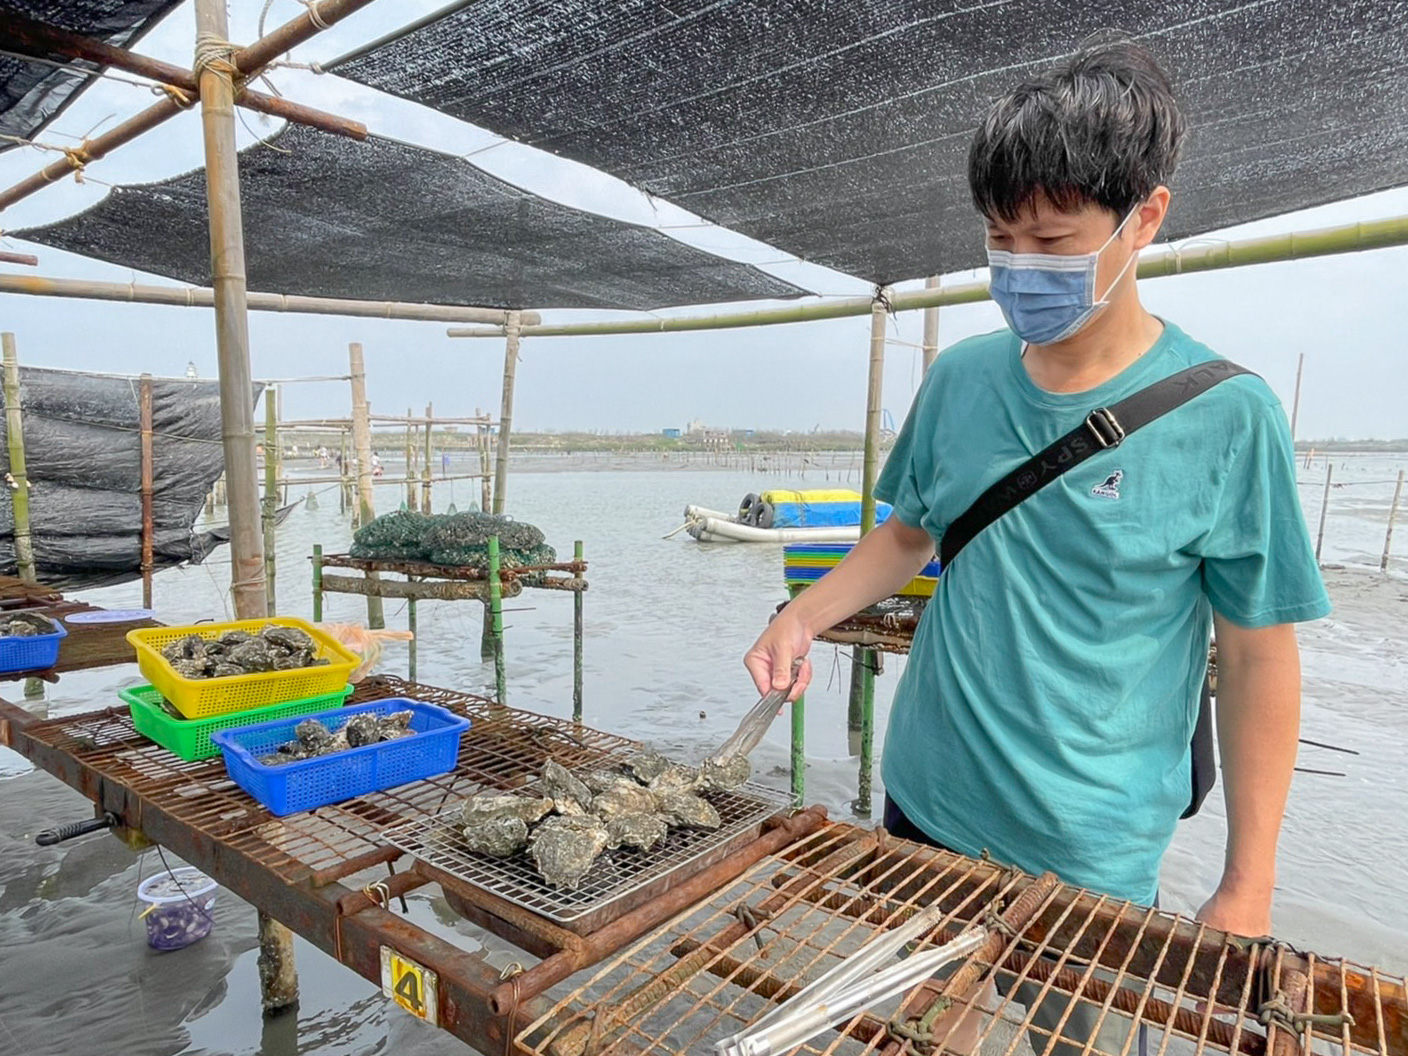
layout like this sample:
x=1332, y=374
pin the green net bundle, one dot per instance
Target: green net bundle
x=460, y=540
x=398, y=536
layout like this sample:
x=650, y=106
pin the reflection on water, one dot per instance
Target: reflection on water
x=666, y=625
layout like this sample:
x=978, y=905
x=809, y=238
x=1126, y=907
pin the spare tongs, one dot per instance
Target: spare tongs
x=856, y=983
x=750, y=731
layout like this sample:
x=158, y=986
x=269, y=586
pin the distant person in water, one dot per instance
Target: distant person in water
x=1047, y=708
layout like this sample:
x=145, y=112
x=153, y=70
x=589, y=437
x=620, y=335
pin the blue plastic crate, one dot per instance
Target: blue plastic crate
x=37, y=652
x=291, y=787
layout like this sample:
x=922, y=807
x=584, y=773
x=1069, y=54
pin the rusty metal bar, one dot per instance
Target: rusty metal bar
x=603, y=943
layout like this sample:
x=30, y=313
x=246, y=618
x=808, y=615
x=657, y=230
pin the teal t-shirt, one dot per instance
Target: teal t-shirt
x=1049, y=700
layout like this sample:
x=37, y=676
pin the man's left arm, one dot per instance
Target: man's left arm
x=1258, y=729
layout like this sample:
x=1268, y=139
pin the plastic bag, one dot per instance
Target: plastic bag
x=365, y=642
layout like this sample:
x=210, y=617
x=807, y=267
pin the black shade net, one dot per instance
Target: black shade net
x=382, y=220
x=83, y=456
x=33, y=93
x=838, y=131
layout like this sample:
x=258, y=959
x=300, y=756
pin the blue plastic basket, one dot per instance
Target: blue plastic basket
x=291, y=787
x=37, y=652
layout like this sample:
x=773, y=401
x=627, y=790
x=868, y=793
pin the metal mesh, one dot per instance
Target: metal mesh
x=382, y=220
x=1083, y=968
x=615, y=875
x=839, y=131
x=34, y=93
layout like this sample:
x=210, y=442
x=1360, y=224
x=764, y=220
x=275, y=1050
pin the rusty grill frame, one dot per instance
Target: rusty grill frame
x=718, y=966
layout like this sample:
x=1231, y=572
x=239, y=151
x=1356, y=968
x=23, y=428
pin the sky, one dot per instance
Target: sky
x=1348, y=315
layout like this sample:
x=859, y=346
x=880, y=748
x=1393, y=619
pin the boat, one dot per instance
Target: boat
x=830, y=515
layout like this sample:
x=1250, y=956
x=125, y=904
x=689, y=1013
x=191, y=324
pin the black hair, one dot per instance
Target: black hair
x=1102, y=127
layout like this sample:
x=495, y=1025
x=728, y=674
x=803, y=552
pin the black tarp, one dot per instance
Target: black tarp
x=838, y=131
x=33, y=93
x=83, y=456
x=383, y=220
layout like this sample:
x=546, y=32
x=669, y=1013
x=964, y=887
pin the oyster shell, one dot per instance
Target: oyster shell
x=646, y=765
x=500, y=835
x=190, y=668
x=564, y=848
x=288, y=639
x=624, y=799
x=312, y=736
x=640, y=831
x=490, y=804
x=233, y=638
x=600, y=781
x=676, y=778
x=560, y=784
x=689, y=811
x=252, y=656
x=728, y=776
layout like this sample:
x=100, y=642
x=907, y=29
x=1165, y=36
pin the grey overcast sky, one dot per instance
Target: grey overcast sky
x=1347, y=314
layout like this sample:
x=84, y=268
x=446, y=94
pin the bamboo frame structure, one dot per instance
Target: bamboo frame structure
x=271, y=493
x=362, y=440
x=144, y=389
x=931, y=325
x=203, y=297
x=1392, y=516
x=19, y=477
x=512, y=329
x=1271, y=249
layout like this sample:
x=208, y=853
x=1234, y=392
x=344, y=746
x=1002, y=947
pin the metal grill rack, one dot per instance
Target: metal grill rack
x=617, y=878
x=1068, y=954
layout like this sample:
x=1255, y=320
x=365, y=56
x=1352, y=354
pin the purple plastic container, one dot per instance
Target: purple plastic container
x=179, y=907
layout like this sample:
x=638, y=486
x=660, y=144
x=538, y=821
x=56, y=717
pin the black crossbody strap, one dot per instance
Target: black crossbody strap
x=1103, y=428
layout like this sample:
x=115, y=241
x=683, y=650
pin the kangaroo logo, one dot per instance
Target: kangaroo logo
x=1109, y=488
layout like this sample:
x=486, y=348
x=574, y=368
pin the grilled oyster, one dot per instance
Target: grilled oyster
x=490, y=804
x=726, y=776
x=641, y=831
x=600, y=781
x=500, y=835
x=645, y=766
x=624, y=799
x=564, y=848
x=689, y=811
x=676, y=779
x=561, y=785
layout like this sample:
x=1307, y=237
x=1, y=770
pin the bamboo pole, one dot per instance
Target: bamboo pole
x=144, y=404
x=1295, y=404
x=362, y=439
x=1324, y=508
x=1349, y=238
x=412, y=625
x=799, y=750
x=345, y=473
x=317, y=582
x=485, y=482
x=496, y=615
x=202, y=297
x=425, y=468
x=271, y=494
x=1392, y=516
x=511, y=332
x=19, y=475
x=410, y=464
x=931, y=325
x=278, y=978
x=577, y=637
x=27, y=259
x=279, y=449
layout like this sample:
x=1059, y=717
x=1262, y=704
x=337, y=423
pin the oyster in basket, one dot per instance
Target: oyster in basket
x=564, y=848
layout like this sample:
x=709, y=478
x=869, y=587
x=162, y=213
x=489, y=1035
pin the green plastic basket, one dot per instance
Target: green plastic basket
x=190, y=738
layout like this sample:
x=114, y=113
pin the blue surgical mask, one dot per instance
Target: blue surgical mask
x=1047, y=297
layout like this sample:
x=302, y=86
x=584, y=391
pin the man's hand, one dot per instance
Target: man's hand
x=1238, y=913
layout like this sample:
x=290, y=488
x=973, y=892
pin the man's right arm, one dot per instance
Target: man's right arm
x=881, y=563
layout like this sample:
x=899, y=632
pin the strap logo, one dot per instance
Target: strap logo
x=1109, y=488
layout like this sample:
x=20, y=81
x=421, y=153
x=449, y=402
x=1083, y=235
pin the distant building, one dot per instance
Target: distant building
x=191, y=369
x=670, y=434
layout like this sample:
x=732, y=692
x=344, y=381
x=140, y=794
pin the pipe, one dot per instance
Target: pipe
x=1349, y=238
x=201, y=297
x=19, y=477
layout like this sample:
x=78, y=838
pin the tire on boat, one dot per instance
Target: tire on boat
x=748, y=510
x=766, y=514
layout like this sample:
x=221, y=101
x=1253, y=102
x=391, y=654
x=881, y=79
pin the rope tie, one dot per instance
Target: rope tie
x=1278, y=1010
x=213, y=53
x=378, y=893
x=178, y=96
x=313, y=15
x=882, y=298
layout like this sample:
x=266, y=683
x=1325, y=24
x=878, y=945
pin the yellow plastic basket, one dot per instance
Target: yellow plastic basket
x=198, y=698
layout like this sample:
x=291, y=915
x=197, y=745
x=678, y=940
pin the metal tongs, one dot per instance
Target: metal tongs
x=750, y=731
x=855, y=984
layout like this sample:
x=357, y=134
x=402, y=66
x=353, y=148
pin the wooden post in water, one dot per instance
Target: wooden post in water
x=410, y=463
x=19, y=476
x=344, y=491
x=511, y=332
x=317, y=582
x=1392, y=516
x=931, y=325
x=279, y=475
x=271, y=492
x=496, y=621
x=425, y=466
x=1295, y=403
x=277, y=975
x=577, y=639
x=362, y=439
x=486, y=495
x=144, y=410
x=1324, y=508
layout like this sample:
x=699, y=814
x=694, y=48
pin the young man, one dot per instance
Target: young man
x=1047, y=708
